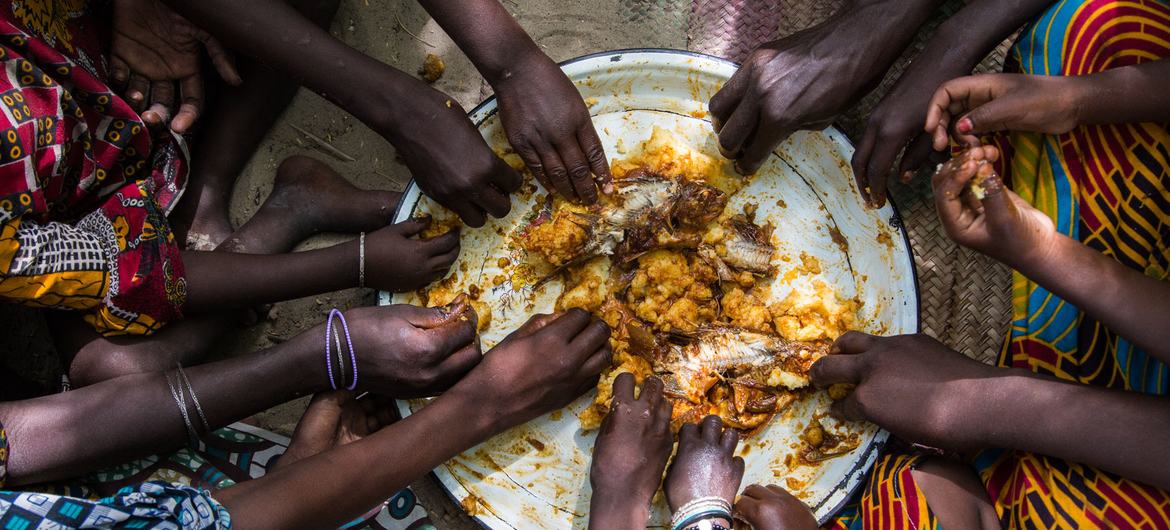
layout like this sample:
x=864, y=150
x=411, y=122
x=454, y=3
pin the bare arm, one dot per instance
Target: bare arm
x=68, y=434
x=538, y=368
x=1130, y=303
x=1130, y=94
x=925, y=392
x=896, y=123
x=402, y=351
x=546, y=121
x=447, y=156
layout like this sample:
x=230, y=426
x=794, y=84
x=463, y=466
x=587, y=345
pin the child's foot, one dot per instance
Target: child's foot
x=312, y=195
x=334, y=419
x=630, y=454
x=705, y=465
x=201, y=219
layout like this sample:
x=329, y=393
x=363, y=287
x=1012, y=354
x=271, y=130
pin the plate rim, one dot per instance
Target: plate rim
x=488, y=107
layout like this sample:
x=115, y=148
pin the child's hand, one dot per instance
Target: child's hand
x=449, y=159
x=1001, y=224
x=912, y=385
x=404, y=351
x=706, y=465
x=549, y=127
x=630, y=454
x=396, y=261
x=999, y=102
x=153, y=48
x=539, y=368
x=773, y=508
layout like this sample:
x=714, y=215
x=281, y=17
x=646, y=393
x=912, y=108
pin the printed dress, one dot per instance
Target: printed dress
x=84, y=189
x=1109, y=188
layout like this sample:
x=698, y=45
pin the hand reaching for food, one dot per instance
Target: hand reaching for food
x=398, y=260
x=541, y=367
x=784, y=86
x=549, y=126
x=979, y=212
x=911, y=385
x=151, y=50
x=404, y=351
x=630, y=454
x=772, y=507
x=893, y=128
x=987, y=103
x=450, y=161
x=705, y=466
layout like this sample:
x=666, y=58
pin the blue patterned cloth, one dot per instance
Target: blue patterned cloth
x=148, y=506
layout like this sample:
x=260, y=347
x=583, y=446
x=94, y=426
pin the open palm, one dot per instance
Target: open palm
x=153, y=49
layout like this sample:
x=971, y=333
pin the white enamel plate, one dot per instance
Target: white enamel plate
x=536, y=476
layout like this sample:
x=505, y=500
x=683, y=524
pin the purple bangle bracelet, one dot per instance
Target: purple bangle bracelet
x=348, y=342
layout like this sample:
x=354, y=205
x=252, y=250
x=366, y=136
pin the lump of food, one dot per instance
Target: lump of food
x=820, y=443
x=561, y=237
x=673, y=291
x=813, y=314
x=432, y=68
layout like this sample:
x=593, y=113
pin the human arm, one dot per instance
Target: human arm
x=544, y=117
x=630, y=454
x=959, y=44
x=1132, y=304
x=446, y=155
x=401, y=351
x=803, y=81
x=395, y=261
x=152, y=49
x=539, y=368
x=924, y=392
x=980, y=104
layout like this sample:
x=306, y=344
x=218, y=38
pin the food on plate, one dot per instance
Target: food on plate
x=685, y=282
x=819, y=443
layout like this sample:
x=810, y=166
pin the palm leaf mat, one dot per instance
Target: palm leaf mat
x=965, y=297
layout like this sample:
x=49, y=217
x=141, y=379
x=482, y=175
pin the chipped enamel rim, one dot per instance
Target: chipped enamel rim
x=577, y=69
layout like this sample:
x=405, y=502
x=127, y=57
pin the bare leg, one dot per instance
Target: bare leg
x=236, y=125
x=955, y=494
x=307, y=198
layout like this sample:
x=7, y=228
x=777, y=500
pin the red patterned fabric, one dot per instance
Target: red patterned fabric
x=84, y=189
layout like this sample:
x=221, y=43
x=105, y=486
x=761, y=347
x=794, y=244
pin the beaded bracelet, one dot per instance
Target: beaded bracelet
x=700, y=509
x=362, y=260
x=334, y=313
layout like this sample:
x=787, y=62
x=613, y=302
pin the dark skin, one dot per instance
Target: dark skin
x=424, y=125
x=773, y=508
x=307, y=198
x=152, y=50
x=975, y=105
x=543, y=114
x=803, y=81
x=705, y=465
x=402, y=351
x=630, y=454
x=894, y=125
x=541, y=367
x=974, y=406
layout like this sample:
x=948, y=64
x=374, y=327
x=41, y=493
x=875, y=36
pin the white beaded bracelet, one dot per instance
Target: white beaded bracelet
x=700, y=507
